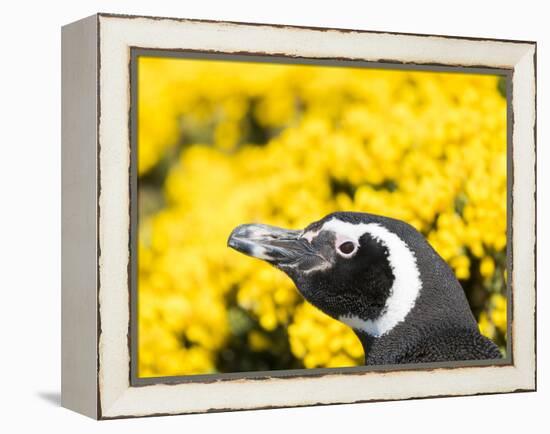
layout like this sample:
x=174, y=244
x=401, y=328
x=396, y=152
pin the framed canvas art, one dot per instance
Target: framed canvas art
x=261, y=216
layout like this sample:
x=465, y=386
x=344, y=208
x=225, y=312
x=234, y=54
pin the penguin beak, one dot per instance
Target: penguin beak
x=275, y=245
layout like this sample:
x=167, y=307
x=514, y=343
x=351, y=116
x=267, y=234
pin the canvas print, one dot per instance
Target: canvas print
x=294, y=216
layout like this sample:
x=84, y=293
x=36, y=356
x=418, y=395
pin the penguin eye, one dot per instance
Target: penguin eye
x=347, y=247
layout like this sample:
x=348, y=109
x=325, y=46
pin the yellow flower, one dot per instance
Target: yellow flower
x=258, y=341
x=487, y=266
x=498, y=314
x=322, y=341
x=486, y=327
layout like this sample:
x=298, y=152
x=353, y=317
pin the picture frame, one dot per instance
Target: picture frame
x=99, y=198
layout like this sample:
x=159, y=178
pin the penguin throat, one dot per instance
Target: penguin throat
x=405, y=288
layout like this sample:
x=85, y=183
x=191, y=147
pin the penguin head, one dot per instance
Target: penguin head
x=358, y=268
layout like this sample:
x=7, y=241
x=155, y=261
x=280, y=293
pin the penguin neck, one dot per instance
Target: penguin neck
x=394, y=346
x=441, y=308
x=390, y=347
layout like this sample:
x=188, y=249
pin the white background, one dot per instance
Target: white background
x=30, y=217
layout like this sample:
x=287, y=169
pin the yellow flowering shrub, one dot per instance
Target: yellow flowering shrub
x=223, y=143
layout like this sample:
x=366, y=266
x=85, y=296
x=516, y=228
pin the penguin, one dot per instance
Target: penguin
x=382, y=278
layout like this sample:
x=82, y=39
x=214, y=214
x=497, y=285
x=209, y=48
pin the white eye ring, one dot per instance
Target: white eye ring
x=343, y=249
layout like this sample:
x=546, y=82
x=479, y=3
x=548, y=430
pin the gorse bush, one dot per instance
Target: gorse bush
x=223, y=143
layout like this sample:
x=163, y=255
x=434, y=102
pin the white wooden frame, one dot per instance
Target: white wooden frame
x=96, y=220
